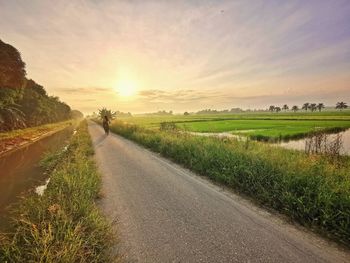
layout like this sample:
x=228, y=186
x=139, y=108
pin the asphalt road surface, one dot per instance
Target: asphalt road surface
x=165, y=213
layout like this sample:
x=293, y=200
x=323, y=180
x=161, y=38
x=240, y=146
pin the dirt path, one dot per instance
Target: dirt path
x=167, y=214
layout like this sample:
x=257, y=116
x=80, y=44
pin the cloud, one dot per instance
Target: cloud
x=182, y=53
x=177, y=96
x=83, y=90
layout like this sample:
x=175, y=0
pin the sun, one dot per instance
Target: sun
x=126, y=88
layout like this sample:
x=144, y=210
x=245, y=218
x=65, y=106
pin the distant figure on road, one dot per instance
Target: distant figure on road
x=105, y=124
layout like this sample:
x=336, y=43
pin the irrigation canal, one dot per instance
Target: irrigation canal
x=20, y=171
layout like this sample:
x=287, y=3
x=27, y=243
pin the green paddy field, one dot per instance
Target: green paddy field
x=257, y=125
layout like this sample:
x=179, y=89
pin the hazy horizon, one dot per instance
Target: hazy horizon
x=138, y=56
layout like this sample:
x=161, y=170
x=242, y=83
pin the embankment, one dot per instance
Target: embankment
x=64, y=224
x=10, y=141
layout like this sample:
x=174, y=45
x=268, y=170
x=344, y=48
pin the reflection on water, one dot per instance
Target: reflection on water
x=19, y=170
x=322, y=143
x=334, y=144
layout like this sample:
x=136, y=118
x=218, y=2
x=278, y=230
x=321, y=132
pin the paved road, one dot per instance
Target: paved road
x=165, y=213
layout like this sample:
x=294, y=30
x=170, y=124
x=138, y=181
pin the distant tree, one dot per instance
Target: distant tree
x=277, y=109
x=320, y=106
x=306, y=106
x=77, y=114
x=235, y=110
x=313, y=107
x=123, y=114
x=109, y=113
x=285, y=107
x=341, y=105
x=186, y=113
x=295, y=108
x=272, y=108
x=210, y=111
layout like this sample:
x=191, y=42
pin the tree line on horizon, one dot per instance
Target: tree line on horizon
x=312, y=107
x=23, y=102
x=307, y=106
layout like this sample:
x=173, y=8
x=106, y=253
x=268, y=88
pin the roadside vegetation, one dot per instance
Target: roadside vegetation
x=64, y=224
x=314, y=190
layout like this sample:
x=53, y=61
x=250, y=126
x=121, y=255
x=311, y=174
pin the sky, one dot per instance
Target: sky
x=145, y=56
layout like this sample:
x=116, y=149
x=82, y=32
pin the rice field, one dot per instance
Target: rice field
x=260, y=126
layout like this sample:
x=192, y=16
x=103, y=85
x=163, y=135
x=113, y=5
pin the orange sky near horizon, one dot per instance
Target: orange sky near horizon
x=145, y=56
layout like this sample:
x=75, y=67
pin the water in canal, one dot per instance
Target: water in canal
x=20, y=171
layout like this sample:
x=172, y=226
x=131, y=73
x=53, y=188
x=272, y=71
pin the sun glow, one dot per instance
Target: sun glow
x=126, y=85
x=126, y=88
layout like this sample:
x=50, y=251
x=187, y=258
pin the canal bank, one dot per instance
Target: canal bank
x=20, y=171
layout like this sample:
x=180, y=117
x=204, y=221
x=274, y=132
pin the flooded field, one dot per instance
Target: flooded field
x=342, y=138
x=20, y=171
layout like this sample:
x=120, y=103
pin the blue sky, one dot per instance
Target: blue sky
x=183, y=55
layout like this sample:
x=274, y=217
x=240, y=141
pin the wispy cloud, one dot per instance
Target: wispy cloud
x=177, y=96
x=185, y=53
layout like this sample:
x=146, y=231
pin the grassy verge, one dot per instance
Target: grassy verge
x=12, y=139
x=309, y=189
x=63, y=225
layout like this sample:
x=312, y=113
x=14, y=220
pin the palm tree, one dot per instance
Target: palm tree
x=306, y=106
x=295, y=108
x=271, y=108
x=277, y=109
x=104, y=112
x=285, y=107
x=313, y=107
x=11, y=118
x=320, y=106
x=341, y=105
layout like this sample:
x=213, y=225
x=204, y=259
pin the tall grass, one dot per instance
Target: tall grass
x=63, y=225
x=310, y=189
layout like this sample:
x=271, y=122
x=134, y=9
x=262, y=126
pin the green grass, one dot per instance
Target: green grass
x=265, y=129
x=256, y=125
x=312, y=190
x=63, y=225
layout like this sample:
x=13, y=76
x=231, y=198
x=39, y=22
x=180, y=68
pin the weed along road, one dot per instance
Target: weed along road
x=164, y=213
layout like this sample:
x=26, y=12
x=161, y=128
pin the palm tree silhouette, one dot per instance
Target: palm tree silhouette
x=285, y=107
x=320, y=106
x=341, y=105
x=313, y=107
x=271, y=108
x=295, y=108
x=277, y=109
x=306, y=106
